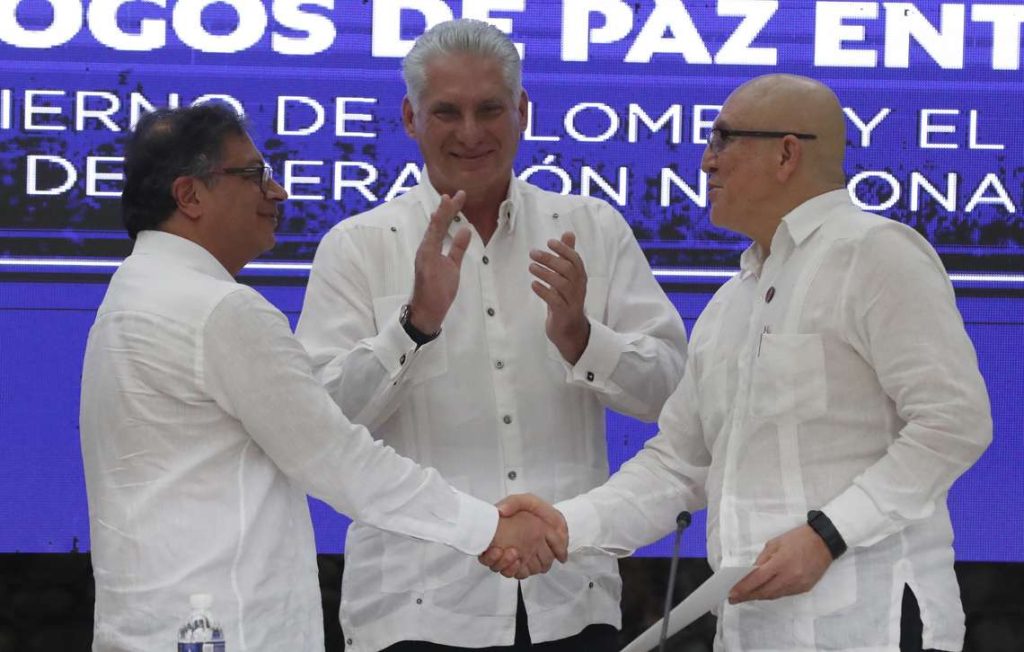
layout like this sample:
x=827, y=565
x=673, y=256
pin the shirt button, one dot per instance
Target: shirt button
x=458, y=219
x=511, y=475
x=590, y=586
x=590, y=376
x=348, y=641
x=769, y=295
x=490, y=312
x=394, y=229
x=486, y=260
x=554, y=215
x=401, y=360
x=499, y=365
x=419, y=600
x=507, y=418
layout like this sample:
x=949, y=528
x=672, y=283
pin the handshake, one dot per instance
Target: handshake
x=531, y=535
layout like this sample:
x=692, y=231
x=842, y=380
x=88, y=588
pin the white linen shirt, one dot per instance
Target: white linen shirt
x=490, y=403
x=202, y=430
x=835, y=374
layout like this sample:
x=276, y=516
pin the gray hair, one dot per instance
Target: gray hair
x=464, y=35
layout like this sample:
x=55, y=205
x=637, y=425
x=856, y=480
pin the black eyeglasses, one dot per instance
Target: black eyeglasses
x=720, y=136
x=263, y=173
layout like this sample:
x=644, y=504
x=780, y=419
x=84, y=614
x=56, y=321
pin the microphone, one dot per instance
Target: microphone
x=682, y=522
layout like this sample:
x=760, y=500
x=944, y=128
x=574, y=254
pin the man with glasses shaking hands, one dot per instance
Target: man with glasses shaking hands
x=830, y=399
x=202, y=425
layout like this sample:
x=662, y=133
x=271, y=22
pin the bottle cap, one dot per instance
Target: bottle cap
x=200, y=600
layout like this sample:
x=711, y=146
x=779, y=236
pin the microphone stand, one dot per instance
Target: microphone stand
x=682, y=522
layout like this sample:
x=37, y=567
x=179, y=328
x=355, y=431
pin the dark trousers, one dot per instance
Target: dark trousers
x=595, y=638
x=910, y=624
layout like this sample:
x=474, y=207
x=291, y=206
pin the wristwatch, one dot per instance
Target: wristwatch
x=415, y=334
x=823, y=526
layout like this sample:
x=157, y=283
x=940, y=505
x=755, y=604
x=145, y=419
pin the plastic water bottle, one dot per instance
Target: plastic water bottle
x=200, y=633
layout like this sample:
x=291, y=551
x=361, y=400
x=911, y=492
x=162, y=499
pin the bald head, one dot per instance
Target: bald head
x=795, y=103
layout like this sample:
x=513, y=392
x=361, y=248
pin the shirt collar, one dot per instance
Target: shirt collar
x=507, y=211
x=186, y=252
x=796, y=226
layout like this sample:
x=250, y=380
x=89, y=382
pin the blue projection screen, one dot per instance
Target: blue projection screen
x=622, y=97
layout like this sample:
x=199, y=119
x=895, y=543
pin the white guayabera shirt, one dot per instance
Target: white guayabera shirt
x=834, y=374
x=491, y=403
x=202, y=431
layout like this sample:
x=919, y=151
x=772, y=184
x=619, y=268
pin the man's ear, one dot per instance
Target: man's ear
x=185, y=194
x=524, y=110
x=791, y=154
x=408, y=117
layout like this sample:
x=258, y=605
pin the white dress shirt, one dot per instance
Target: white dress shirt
x=202, y=431
x=490, y=403
x=835, y=374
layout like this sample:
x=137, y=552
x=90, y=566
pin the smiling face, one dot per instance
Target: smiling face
x=467, y=125
x=241, y=218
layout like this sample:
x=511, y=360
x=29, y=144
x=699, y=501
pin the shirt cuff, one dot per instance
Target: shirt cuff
x=583, y=522
x=599, y=359
x=477, y=525
x=394, y=348
x=858, y=518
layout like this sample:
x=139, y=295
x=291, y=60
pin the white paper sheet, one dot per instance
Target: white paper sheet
x=713, y=591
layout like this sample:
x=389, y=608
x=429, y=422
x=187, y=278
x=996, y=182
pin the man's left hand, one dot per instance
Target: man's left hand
x=564, y=289
x=788, y=565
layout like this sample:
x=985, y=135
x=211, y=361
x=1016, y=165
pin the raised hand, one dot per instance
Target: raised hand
x=562, y=284
x=789, y=564
x=436, y=281
x=509, y=561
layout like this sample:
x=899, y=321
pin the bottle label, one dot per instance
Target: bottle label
x=201, y=647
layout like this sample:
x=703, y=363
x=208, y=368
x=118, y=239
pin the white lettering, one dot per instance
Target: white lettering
x=481, y=10
x=609, y=112
x=319, y=31
x=945, y=45
x=285, y=102
x=67, y=21
x=671, y=16
x=870, y=175
x=831, y=31
x=361, y=185
x=1002, y=198
x=102, y=16
x=1006, y=23
x=93, y=175
x=919, y=182
x=32, y=174
x=577, y=34
x=386, y=31
x=866, y=129
x=32, y=110
x=291, y=180
x=670, y=179
x=736, y=50
x=342, y=117
x=188, y=25
x=618, y=195
x=82, y=113
x=673, y=115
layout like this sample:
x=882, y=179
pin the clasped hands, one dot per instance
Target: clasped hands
x=531, y=535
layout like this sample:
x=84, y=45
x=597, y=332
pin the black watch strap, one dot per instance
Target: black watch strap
x=415, y=334
x=822, y=524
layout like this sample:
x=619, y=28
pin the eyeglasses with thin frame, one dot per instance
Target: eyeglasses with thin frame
x=720, y=136
x=264, y=173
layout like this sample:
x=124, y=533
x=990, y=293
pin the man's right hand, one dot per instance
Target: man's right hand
x=513, y=561
x=437, y=275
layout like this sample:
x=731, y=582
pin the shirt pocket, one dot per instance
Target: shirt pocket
x=788, y=382
x=431, y=360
